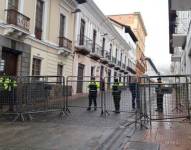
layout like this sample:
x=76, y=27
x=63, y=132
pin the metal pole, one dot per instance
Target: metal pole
x=188, y=103
x=150, y=103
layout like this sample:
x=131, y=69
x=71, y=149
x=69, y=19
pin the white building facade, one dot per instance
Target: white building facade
x=99, y=49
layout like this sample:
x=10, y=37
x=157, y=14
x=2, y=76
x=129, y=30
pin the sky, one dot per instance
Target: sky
x=155, y=16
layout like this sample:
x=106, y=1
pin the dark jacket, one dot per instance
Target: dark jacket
x=134, y=88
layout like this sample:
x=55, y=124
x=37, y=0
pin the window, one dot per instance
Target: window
x=92, y=71
x=39, y=19
x=36, y=66
x=116, y=55
x=110, y=51
x=62, y=25
x=82, y=32
x=103, y=46
x=13, y=4
x=94, y=40
x=59, y=73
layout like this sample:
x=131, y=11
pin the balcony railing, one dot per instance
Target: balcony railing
x=119, y=63
x=108, y=56
x=97, y=49
x=66, y=43
x=114, y=60
x=85, y=41
x=123, y=66
x=16, y=18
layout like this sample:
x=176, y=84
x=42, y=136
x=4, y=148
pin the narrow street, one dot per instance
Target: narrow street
x=95, y=74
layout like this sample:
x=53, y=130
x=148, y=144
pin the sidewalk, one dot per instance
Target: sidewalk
x=162, y=136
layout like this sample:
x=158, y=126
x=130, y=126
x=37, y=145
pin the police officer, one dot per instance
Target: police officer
x=116, y=92
x=93, y=86
x=134, y=88
x=159, y=96
x=8, y=85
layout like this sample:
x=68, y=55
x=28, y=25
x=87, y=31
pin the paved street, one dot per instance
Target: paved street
x=80, y=130
x=162, y=136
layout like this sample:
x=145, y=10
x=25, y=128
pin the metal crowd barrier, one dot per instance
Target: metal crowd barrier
x=32, y=95
x=78, y=93
x=168, y=100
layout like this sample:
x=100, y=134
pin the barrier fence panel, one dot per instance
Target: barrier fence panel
x=78, y=92
x=126, y=95
x=165, y=97
x=33, y=94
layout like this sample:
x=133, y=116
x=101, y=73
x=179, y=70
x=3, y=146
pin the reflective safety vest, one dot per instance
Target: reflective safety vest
x=116, y=91
x=7, y=84
x=93, y=86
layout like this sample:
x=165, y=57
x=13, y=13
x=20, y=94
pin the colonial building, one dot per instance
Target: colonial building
x=127, y=33
x=36, y=37
x=99, y=49
x=179, y=23
x=135, y=21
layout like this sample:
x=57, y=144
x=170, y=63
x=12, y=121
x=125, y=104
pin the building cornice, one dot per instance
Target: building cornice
x=97, y=13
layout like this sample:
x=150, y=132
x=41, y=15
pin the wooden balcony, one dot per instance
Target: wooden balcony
x=65, y=43
x=16, y=18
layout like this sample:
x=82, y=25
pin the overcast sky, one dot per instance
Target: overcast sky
x=155, y=16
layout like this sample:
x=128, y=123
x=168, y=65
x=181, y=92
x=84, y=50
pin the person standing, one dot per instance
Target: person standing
x=93, y=87
x=160, y=95
x=116, y=92
x=133, y=86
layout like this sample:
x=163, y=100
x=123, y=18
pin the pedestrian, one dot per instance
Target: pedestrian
x=160, y=95
x=116, y=92
x=93, y=87
x=134, y=88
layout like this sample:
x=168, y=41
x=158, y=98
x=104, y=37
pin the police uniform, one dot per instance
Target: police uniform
x=93, y=86
x=7, y=86
x=116, y=92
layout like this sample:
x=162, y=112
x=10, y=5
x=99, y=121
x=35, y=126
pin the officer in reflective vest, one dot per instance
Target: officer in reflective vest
x=8, y=85
x=93, y=87
x=116, y=92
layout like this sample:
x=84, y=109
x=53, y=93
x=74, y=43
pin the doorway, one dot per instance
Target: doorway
x=11, y=60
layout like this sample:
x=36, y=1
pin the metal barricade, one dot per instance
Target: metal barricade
x=130, y=95
x=34, y=94
x=165, y=98
x=78, y=93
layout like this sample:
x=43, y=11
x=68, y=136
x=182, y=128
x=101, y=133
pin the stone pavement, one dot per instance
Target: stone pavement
x=81, y=130
x=162, y=136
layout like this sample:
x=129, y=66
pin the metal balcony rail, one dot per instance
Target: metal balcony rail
x=123, y=66
x=16, y=18
x=114, y=60
x=66, y=43
x=108, y=55
x=85, y=41
x=119, y=63
x=97, y=49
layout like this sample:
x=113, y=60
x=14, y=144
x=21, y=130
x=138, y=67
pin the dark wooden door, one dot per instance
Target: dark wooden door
x=80, y=78
x=10, y=63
